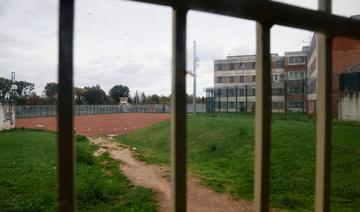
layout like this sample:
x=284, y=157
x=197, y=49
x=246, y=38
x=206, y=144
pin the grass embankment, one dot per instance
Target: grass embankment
x=221, y=151
x=28, y=177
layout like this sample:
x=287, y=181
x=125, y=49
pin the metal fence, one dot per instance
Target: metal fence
x=31, y=111
x=266, y=13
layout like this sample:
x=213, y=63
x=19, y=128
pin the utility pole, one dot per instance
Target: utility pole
x=13, y=77
x=195, y=59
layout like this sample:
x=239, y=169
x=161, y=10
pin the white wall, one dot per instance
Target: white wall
x=7, y=109
x=349, y=107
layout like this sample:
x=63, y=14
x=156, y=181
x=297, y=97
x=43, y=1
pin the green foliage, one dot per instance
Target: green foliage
x=51, y=91
x=28, y=177
x=94, y=95
x=119, y=91
x=220, y=149
x=25, y=89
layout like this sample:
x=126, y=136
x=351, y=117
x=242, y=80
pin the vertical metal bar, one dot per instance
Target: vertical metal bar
x=227, y=99
x=236, y=105
x=219, y=107
x=286, y=97
x=65, y=107
x=263, y=119
x=178, y=114
x=323, y=136
x=246, y=98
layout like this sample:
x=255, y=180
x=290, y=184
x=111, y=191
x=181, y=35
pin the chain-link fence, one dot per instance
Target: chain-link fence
x=28, y=111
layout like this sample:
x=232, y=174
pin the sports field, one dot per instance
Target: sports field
x=91, y=125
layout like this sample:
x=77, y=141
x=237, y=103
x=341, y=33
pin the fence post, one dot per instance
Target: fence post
x=227, y=99
x=246, y=98
x=236, y=103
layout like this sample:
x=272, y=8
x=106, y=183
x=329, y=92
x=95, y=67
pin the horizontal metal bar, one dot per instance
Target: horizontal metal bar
x=276, y=13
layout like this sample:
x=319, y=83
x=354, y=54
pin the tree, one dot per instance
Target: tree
x=51, y=91
x=24, y=89
x=79, y=95
x=143, y=98
x=154, y=99
x=119, y=91
x=164, y=100
x=94, y=95
x=4, y=85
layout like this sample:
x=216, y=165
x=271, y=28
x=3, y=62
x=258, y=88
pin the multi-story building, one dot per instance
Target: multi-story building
x=295, y=72
x=345, y=55
x=234, y=84
x=294, y=79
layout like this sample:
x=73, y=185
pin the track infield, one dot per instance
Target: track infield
x=98, y=125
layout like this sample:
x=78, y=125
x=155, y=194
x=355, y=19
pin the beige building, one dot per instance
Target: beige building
x=234, y=84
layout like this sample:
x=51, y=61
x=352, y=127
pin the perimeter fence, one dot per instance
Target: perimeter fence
x=32, y=111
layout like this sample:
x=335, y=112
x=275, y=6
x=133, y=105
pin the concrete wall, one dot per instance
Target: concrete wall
x=349, y=107
x=7, y=115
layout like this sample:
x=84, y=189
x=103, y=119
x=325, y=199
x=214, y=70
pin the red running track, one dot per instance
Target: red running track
x=98, y=125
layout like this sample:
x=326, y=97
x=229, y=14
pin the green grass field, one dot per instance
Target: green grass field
x=28, y=177
x=221, y=152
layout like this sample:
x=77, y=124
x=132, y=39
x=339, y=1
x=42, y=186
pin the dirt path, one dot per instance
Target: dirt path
x=200, y=198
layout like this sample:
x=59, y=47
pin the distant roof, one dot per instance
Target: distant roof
x=246, y=58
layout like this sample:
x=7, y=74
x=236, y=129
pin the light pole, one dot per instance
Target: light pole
x=195, y=60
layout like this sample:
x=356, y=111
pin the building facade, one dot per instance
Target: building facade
x=294, y=79
x=295, y=75
x=345, y=55
x=234, y=84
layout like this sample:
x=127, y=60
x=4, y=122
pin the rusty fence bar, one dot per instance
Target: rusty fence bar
x=276, y=13
x=262, y=117
x=178, y=115
x=323, y=129
x=65, y=107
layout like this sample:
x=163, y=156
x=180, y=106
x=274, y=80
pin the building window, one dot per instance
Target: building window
x=275, y=78
x=277, y=91
x=253, y=78
x=296, y=90
x=231, y=105
x=219, y=80
x=231, y=92
x=296, y=60
x=279, y=64
x=242, y=66
x=296, y=75
x=252, y=92
x=219, y=67
x=296, y=105
x=241, y=79
x=312, y=67
x=275, y=105
x=232, y=79
x=232, y=67
x=241, y=92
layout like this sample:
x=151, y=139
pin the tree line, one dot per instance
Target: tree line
x=92, y=95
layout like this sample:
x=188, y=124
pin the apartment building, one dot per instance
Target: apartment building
x=234, y=84
x=345, y=55
x=295, y=79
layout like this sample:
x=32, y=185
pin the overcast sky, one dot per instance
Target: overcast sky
x=122, y=42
